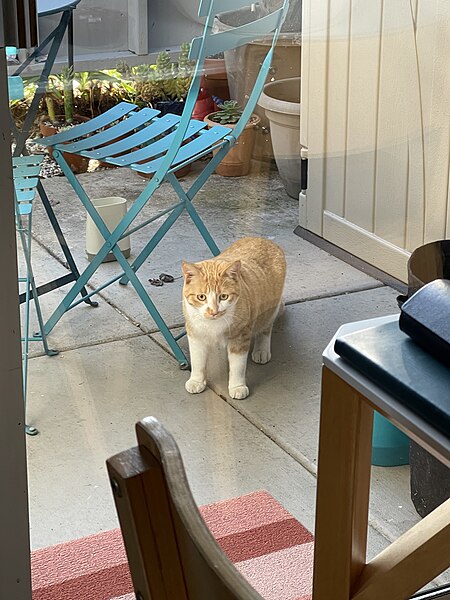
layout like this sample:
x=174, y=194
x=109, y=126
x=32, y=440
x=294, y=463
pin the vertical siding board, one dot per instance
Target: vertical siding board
x=362, y=112
x=336, y=115
x=414, y=216
x=416, y=197
x=398, y=110
x=426, y=50
x=317, y=34
x=434, y=52
x=447, y=212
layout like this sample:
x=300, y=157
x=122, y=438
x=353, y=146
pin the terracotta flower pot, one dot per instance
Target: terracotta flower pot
x=78, y=164
x=238, y=160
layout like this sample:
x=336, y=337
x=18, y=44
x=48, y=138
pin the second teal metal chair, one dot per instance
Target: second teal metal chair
x=159, y=146
x=26, y=171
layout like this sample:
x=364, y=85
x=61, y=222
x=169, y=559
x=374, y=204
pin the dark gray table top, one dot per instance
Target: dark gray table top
x=436, y=439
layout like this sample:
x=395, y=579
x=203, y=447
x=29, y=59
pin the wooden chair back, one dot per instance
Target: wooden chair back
x=171, y=553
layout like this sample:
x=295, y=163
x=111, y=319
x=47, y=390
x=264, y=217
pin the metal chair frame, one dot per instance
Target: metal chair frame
x=172, y=143
x=25, y=174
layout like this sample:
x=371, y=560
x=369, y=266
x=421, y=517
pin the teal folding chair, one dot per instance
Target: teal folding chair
x=161, y=145
x=26, y=171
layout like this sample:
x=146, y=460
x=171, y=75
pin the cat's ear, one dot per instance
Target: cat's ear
x=189, y=271
x=233, y=270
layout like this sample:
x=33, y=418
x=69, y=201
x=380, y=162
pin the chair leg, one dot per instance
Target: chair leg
x=154, y=241
x=62, y=241
x=67, y=301
x=30, y=292
x=149, y=305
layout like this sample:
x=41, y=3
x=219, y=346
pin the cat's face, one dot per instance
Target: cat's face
x=211, y=288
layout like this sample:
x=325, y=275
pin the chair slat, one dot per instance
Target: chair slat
x=25, y=195
x=158, y=127
x=189, y=150
x=156, y=148
x=25, y=183
x=238, y=36
x=15, y=88
x=124, y=127
x=103, y=120
x=32, y=159
x=26, y=171
x=24, y=208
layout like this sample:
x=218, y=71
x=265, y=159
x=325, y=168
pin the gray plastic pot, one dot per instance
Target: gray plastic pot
x=281, y=103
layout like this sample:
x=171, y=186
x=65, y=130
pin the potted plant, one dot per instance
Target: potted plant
x=238, y=160
x=97, y=91
x=164, y=85
x=59, y=95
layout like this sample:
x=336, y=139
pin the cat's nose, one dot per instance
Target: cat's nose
x=213, y=312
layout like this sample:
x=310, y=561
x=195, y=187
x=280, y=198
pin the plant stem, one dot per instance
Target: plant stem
x=68, y=102
x=50, y=108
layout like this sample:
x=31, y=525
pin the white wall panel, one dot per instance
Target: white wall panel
x=378, y=131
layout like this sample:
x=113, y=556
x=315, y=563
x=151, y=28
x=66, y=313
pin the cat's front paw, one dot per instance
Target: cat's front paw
x=194, y=387
x=261, y=357
x=239, y=392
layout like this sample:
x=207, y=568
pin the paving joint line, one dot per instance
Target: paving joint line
x=334, y=295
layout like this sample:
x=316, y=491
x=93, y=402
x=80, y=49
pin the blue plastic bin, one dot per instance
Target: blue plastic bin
x=390, y=446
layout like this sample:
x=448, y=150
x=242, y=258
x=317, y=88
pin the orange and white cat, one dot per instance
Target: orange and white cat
x=228, y=301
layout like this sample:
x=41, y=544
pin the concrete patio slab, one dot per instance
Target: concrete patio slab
x=85, y=418
x=91, y=418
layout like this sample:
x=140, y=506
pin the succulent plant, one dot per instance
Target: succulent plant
x=229, y=113
x=185, y=72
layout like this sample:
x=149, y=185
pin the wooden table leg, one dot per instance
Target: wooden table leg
x=345, y=448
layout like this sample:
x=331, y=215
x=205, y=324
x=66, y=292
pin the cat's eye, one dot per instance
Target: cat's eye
x=223, y=297
x=201, y=297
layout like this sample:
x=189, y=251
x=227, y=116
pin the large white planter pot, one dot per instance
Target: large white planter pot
x=281, y=103
x=111, y=209
x=188, y=8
